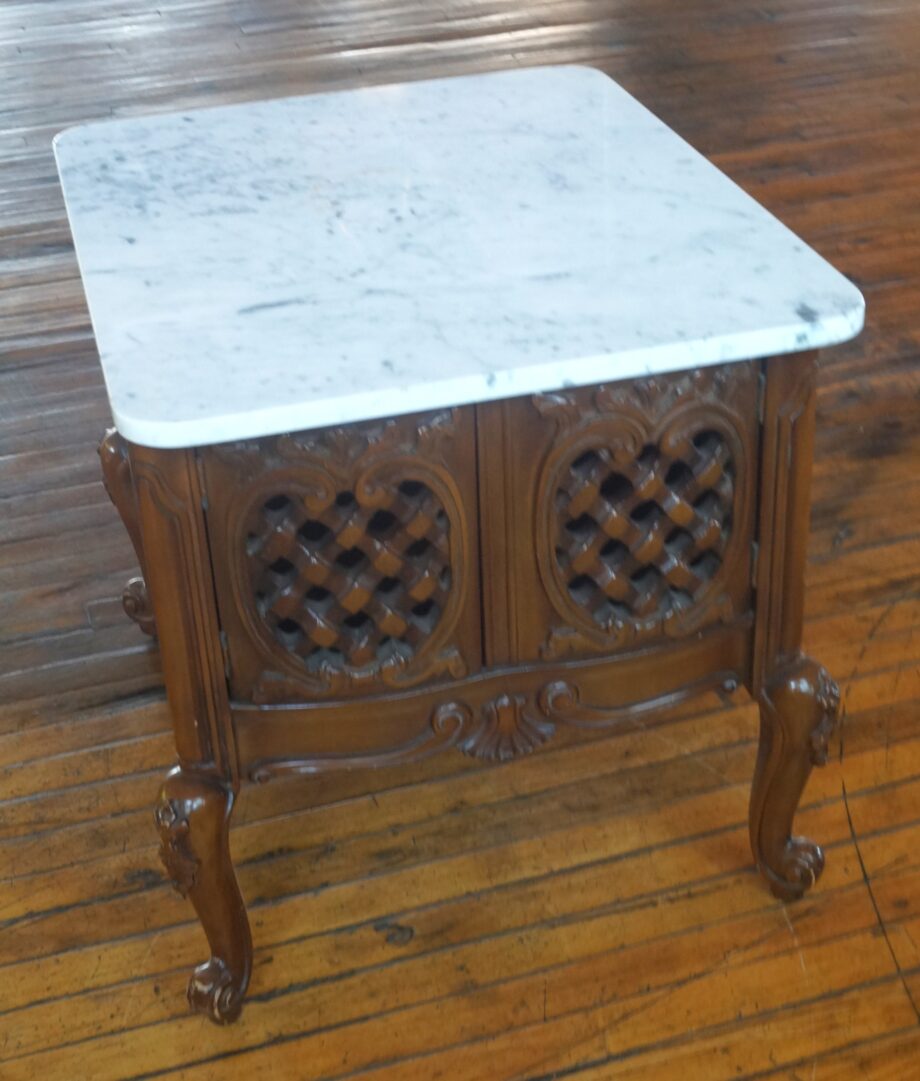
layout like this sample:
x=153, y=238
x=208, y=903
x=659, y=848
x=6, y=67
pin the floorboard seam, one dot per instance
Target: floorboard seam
x=872, y=898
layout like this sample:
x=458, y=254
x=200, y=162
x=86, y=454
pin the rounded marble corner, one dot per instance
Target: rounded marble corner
x=858, y=318
x=162, y=430
x=74, y=132
x=154, y=434
x=159, y=434
x=77, y=139
x=67, y=143
x=846, y=324
x=590, y=79
x=60, y=137
x=590, y=72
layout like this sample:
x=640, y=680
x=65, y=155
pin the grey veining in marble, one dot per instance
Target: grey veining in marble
x=290, y=264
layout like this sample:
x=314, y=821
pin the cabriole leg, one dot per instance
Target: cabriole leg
x=798, y=713
x=193, y=817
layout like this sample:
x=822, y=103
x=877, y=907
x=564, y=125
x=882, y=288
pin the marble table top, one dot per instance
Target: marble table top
x=288, y=264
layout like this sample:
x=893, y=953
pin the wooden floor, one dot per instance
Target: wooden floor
x=590, y=912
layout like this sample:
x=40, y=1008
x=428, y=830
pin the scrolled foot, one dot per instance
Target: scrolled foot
x=800, y=868
x=137, y=605
x=798, y=714
x=193, y=817
x=213, y=991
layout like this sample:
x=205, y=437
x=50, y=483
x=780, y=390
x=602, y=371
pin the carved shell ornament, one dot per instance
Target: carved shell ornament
x=506, y=727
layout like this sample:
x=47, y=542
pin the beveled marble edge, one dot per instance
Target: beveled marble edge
x=471, y=389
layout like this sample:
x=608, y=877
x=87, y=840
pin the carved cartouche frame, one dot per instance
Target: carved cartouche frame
x=665, y=413
x=368, y=460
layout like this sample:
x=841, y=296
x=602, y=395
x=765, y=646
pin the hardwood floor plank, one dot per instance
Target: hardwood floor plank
x=881, y=1059
x=402, y=976
x=648, y=868
x=545, y=1022
x=805, y=1037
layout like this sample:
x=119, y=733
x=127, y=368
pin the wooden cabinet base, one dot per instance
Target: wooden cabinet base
x=474, y=579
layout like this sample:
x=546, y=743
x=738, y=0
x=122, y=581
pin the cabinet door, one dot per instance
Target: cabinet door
x=346, y=559
x=619, y=516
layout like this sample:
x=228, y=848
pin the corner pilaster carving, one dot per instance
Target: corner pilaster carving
x=785, y=482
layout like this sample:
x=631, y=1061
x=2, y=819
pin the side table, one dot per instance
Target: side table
x=448, y=414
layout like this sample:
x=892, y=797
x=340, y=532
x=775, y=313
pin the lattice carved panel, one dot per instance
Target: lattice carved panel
x=348, y=556
x=642, y=520
x=348, y=585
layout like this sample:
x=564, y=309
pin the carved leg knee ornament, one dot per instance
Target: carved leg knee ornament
x=193, y=816
x=798, y=713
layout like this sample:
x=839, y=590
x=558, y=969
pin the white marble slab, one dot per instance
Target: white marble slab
x=290, y=264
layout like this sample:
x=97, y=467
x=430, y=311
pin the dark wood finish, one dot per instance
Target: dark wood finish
x=785, y=484
x=596, y=541
x=798, y=699
x=329, y=583
x=346, y=558
x=196, y=799
x=500, y=923
x=600, y=693
x=193, y=817
x=181, y=585
x=798, y=713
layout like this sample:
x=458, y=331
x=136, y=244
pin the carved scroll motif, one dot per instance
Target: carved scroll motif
x=116, y=476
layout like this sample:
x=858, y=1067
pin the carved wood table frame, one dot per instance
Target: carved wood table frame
x=473, y=578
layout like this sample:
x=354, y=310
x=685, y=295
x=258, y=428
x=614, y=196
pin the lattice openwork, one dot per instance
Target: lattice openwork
x=639, y=540
x=352, y=585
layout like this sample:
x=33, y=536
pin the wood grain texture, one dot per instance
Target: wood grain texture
x=785, y=483
x=180, y=581
x=453, y=917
